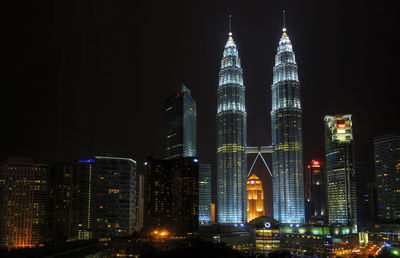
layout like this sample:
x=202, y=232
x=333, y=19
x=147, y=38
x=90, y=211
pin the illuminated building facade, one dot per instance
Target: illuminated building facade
x=328, y=241
x=339, y=151
x=212, y=212
x=255, y=198
x=107, y=197
x=387, y=174
x=180, y=125
x=286, y=122
x=267, y=233
x=315, y=193
x=204, y=193
x=231, y=138
x=23, y=203
x=172, y=195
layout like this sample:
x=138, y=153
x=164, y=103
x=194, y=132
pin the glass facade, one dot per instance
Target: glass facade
x=387, y=173
x=180, y=125
x=231, y=138
x=315, y=193
x=341, y=184
x=286, y=122
x=204, y=193
x=105, y=200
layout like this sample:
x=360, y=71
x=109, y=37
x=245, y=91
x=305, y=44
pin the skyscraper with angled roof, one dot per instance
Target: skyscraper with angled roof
x=231, y=138
x=286, y=116
x=180, y=125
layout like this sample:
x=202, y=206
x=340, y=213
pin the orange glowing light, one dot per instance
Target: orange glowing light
x=341, y=125
x=315, y=162
x=155, y=232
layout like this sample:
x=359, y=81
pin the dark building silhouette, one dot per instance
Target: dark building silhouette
x=62, y=209
x=171, y=195
x=315, y=193
x=180, y=125
x=387, y=174
x=23, y=203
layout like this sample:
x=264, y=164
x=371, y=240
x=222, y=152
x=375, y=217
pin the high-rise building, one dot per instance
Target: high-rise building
x=255, y=198
x=286, y=118
x=231, y=138
x=315, y=193
x=339, y=153
x=107, y=197
x=180, y=125
x=140, y=209
x=62, y=208
x=172, y=195
x=23, y=203
x=387, y=173
x=204, y=193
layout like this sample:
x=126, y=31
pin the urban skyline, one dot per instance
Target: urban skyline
x=67, y=130
x=96, y=121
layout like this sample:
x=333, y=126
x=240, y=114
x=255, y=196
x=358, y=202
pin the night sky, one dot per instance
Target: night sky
x=90, y=77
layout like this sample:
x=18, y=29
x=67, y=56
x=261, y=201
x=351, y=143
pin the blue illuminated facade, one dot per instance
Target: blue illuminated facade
x=286, y=116
x=231, y=138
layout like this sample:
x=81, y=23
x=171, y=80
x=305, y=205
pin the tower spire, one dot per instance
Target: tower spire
x=284, y=21
x=230, y=25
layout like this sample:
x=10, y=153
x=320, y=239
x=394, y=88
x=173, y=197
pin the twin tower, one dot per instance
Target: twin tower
x=287, y=154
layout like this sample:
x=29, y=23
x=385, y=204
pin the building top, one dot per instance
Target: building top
x=253, y=177
x=337, y=117
x=93, y=159
x=387, y=137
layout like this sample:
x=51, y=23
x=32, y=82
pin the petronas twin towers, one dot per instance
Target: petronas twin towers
x=287, y=157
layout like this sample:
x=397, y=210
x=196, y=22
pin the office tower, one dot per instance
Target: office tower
x=255, y=198
x=231, y=138
x=315, y=193
x=180, y=125
x=23, y=203
x=364, y=197
x=107, y=196
x=339, y=151
x=286, y=122
x=387, y=173
x=62, y=218
x=204, y=193
x=172, y=195
x=140, y=212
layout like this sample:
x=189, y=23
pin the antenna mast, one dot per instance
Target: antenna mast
x=230, y=24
